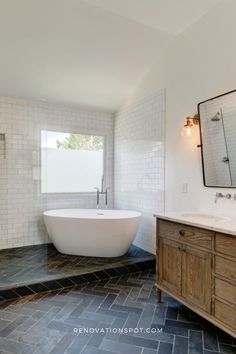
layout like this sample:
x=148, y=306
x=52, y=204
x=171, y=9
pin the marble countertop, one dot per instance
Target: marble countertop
x=211, y=221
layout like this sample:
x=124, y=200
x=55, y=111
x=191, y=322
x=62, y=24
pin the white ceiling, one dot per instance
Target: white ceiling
x=73, y=52
x=171, y=16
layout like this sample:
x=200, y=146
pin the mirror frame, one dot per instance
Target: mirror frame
x=201, y=139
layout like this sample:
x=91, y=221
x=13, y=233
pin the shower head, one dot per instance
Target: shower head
x=216, y=117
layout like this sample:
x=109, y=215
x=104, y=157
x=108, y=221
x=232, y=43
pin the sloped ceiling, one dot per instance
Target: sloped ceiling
x=90, y=53
x=171, y=16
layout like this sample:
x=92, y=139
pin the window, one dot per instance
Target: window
x=71, y=163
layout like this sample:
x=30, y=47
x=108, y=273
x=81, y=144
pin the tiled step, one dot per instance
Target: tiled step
x=14, y=292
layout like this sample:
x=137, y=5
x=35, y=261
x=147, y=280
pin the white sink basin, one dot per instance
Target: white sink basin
x=206, y=217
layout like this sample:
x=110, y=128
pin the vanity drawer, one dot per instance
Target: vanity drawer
x=225, y=244
x=225, y=313
x=186, y=234
x=225, y=267
x=225, y=291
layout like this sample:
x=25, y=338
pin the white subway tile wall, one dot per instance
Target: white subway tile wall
x=139, y=163
x=21, y=201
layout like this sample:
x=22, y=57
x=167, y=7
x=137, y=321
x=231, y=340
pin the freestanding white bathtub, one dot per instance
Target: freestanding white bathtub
x=92, y=232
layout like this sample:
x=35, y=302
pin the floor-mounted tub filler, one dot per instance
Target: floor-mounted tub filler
x=92, y=232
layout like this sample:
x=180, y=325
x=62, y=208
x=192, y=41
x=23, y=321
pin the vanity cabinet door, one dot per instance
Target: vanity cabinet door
x=197, y=279
x=169, y=265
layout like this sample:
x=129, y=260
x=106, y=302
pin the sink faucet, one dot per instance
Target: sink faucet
x=221, y=195
x=103, y=191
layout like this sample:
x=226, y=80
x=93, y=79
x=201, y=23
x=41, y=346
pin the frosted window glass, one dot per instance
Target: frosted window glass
x=71, y=163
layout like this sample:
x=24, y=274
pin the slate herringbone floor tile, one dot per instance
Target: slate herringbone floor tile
x=50, y=323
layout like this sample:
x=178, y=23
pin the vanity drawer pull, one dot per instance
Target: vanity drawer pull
x=185, y=233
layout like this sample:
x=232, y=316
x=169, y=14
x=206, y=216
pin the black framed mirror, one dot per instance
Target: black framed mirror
x=217, y=122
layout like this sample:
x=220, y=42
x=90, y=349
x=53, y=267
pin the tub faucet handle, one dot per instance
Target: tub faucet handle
x=221, y=195
x=217, y=196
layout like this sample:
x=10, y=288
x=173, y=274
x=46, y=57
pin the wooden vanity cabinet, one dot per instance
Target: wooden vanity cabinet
x=170, y=265
x=198, y=268
x=196, y=277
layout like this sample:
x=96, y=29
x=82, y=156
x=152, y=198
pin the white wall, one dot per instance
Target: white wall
x=21, y=201
x=199, y=64
x=139, y=163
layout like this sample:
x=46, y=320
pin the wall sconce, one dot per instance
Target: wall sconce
x=190, y=122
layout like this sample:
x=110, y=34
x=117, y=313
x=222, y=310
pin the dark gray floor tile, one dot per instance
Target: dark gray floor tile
x=125, y=308
x=172, y=330
x=116, y=324
x=195, y=342
x=113, y=313
x=24, y=290
x=52, y=285
x=98, y=337
x=101, y=274
x=180, y=345
x=90, y=277
x=140, y=342
x=132, y=320
x=159, y=316
x=38, y=288
x=66, y=282
x=181, y=324
x=4, y=323
x=63, y=344
x=8, y=294
x=210, y=339
x=12, y=326
x=165, y=348
x=92, y=350
x=15, y=347
x=172, y=312
x=223, y=337
x=78, y=344
x=61, y=327
x=227, y=349
x=108, y=301
x=149, y=351
x=81, y=322
x=120, y=347
x=78, y=279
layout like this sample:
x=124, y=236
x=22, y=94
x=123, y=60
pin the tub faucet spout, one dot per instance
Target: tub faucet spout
x=103, y=192
x=106, y=198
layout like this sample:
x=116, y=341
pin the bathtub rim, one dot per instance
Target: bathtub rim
x=127, y=214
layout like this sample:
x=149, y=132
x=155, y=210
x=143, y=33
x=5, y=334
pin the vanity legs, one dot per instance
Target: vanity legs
x=158, y=295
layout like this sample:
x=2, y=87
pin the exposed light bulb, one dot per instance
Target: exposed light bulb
x=187, y=129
